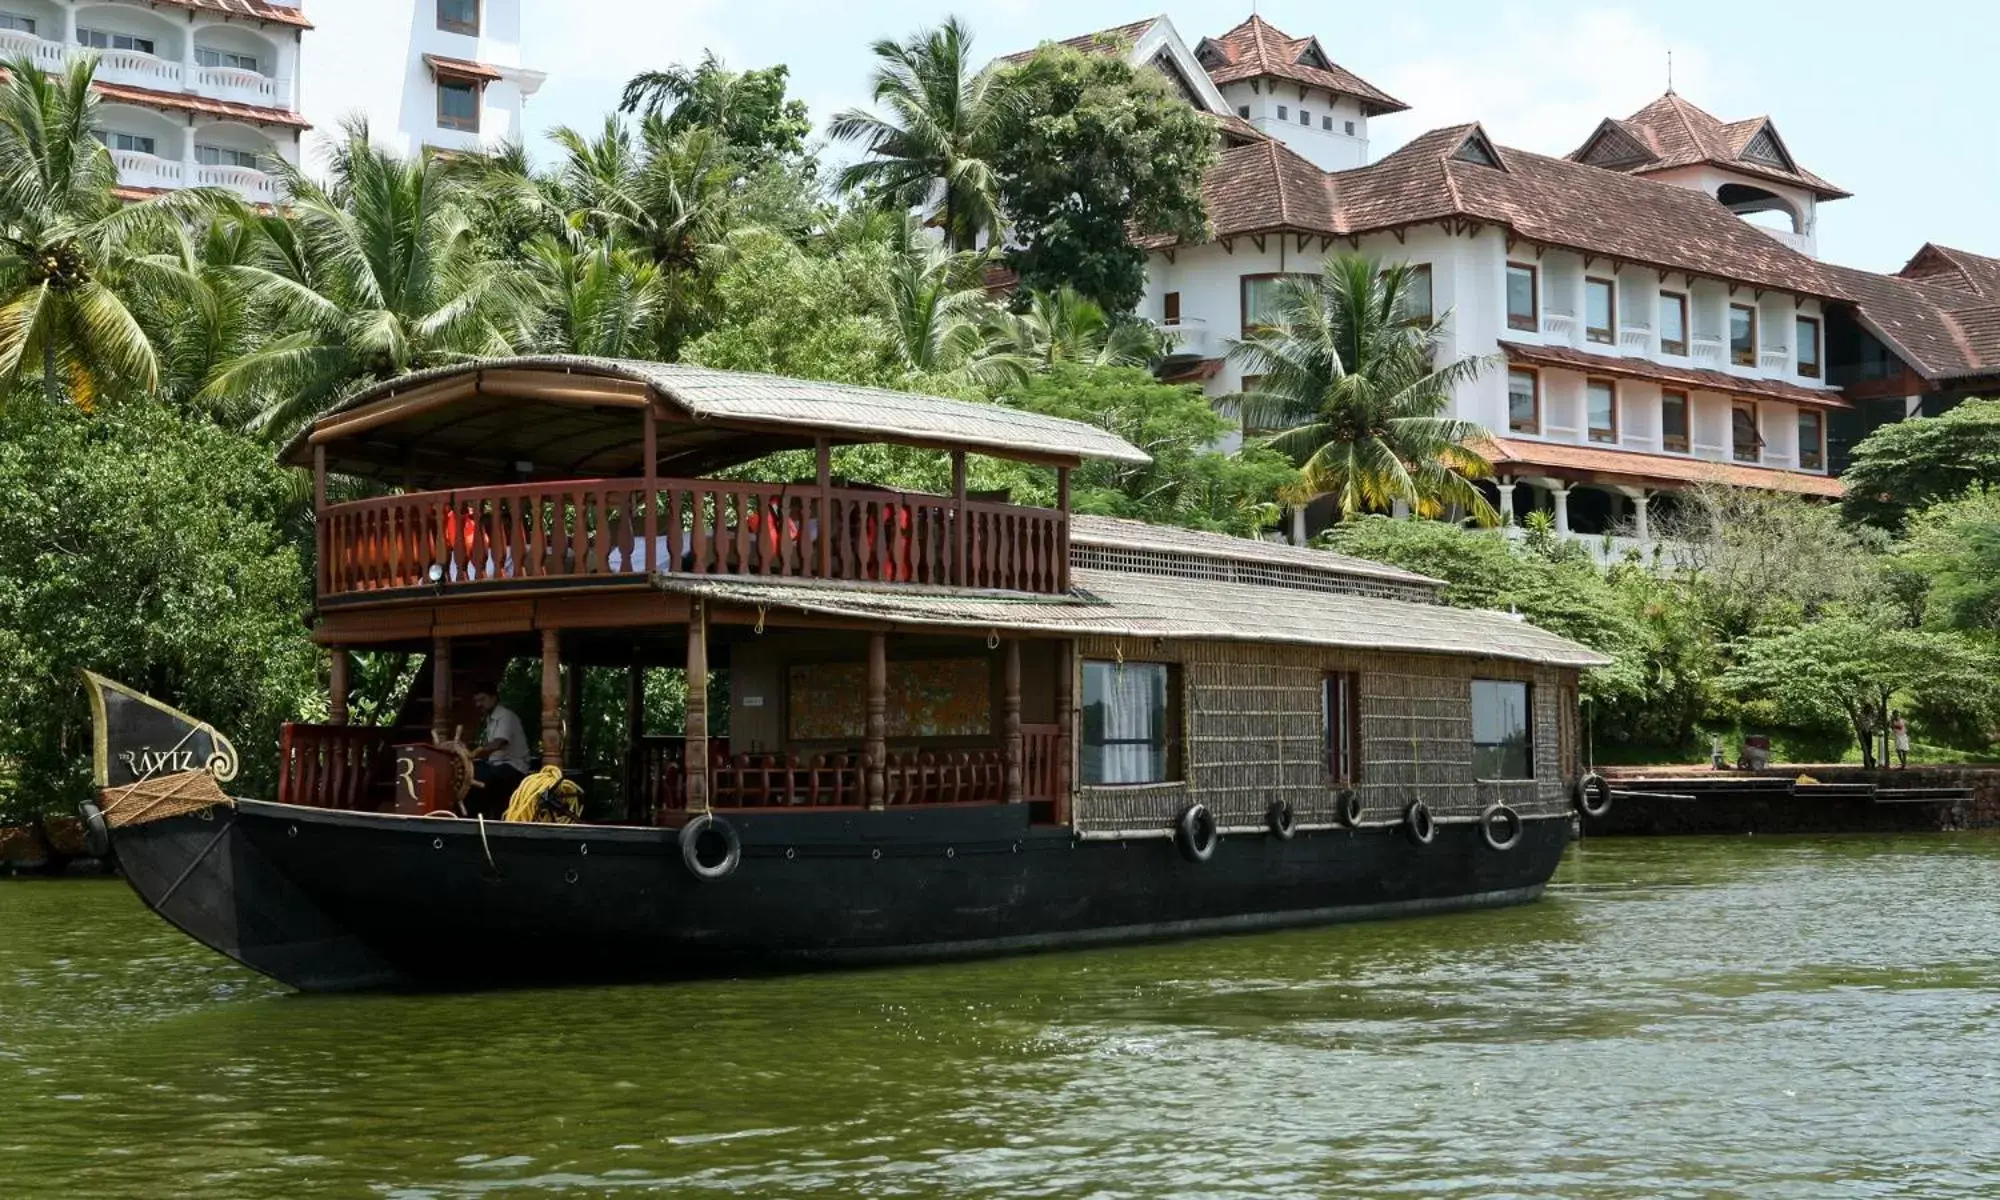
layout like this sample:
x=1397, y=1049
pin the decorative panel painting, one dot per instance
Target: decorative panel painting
x=927, y=698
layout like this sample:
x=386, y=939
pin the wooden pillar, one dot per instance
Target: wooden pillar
x=1062, y=551
x=573, y=741
x=1010, y=716
x=959, y=521
x=441, y=729
x=1065, y=726
x=651, y=437
x=875, y=755
x=336, y=687
x=695, y=755
x=322, y=570
x=552, y=698
x=824, y=456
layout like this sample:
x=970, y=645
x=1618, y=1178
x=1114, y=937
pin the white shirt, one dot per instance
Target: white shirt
x=503, y=726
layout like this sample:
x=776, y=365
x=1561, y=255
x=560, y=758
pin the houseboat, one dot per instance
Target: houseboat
x=916, y=725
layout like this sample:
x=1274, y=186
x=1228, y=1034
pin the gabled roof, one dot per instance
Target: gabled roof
x=1961, y=269
x=1553, y=201
x=1154, y=43
x=1671, y=132
x=1256, y=49
x=1937, y=320
x=1119, y=39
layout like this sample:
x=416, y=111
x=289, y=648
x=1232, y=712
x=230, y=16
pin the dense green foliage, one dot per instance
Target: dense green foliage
x=748, y=109
x=1087, y=149
x=1907, y=465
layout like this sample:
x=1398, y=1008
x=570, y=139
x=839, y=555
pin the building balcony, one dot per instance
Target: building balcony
x=1775, y=360
x=46, y=54
x=1187, y=338
x=1558, y=326
x=253, y=185
x=1707, y=352
x=134, y=68
x=244, y=87
x=1636, y=339
x=136, y=170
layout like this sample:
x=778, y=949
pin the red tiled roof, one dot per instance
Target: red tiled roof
x=1675, y=133
x=1553, y=201
x=1256, y=49
x=1118, y=38
x=1201, y=370
x=461, y=68
x=1597, y=463
x=184, y=102
x=1693, y=378
x=1961, y=269
x=254, y=9
x=1914, y=317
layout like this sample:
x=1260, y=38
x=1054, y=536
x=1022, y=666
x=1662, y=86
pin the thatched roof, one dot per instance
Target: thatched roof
x=1122, y=604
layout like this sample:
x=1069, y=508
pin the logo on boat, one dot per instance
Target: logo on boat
x=144, y=762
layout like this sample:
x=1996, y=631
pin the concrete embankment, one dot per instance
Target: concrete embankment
x=1803, y=798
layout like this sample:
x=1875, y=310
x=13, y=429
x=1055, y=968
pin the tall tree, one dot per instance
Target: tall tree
x=1065, y=326
x=1906, y=465
x=595, y=299
x=1357, y=396
x=66, y=242
x=941, y=321
x=373, y=275
x=748, y=109
x=931, y=150
x=1088, y=149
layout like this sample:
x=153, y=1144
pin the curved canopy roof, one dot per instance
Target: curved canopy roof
x=548, y=417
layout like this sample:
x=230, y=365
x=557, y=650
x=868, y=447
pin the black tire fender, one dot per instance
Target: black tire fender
x=96, y=830
x=1281, y=820
x=700, y=839
x=1349, y=809
x=1593, y=795
x=1502, y=826
x=1196, y=833
x=1419, y=824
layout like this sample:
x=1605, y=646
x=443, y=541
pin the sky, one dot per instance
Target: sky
x=1889, y=101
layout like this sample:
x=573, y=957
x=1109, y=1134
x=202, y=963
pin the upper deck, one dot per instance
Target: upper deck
x=563, y=473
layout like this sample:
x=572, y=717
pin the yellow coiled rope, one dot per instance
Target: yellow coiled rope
x=546, y=797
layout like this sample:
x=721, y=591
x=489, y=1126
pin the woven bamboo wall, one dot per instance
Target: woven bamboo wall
x=1251, y=733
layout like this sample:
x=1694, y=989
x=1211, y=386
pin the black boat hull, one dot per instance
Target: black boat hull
x=337, y=901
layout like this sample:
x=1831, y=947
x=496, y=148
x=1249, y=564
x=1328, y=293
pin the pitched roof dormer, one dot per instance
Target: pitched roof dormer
x=1671, y=132
x=1256, y=49
x=1478, y=149
x=1617, y=146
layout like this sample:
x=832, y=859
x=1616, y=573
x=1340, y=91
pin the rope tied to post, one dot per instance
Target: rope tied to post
x=546, y=798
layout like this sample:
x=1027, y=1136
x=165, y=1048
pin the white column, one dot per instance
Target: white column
x=1299, y=525
x=189, y=168
x=1561, y=496
x=188, y=67
x=1506, y=489
x=1640, y=528
x=69, y=28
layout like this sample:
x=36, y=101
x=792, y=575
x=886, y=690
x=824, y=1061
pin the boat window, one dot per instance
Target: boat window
x=1502, y=737
x=1128, y=723
x=1340, y=727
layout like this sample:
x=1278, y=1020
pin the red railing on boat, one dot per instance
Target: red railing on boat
x=335, y=766
x=606, y=529
x=835, y=780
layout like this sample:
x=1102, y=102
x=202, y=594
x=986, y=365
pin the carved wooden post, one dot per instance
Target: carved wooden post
x=696, y=729
x=875, y=755
x=1062, y=548
x=322, y=572
x=959, y=521
x=441, y=730
x=652, y=529
x=824, y=456
x=1065, y=725
x=336, y=687
x=573, y=740
x=552, y=697
x=1010, y=716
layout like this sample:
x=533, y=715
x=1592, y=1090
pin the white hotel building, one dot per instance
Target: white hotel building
x=1651, y=303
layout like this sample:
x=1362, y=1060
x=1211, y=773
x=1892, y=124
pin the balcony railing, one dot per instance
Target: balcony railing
x=251, y=87
x=1708, y=351
x=1636, y=339
x=1558, y=325
x=136, y=67
x=1775, y=360
x=150, y=70
x=15, y=44
x=247, y=182
x=611, y=530
x=1186, y=338
x=148, y=170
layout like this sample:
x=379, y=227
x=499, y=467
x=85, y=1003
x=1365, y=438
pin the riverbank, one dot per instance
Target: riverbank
x=1798, y=799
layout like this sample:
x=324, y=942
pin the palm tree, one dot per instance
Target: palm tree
x=929, y=151
x=596, y=299
x=1065, y=326
x=940, y=318
x=66, y=241
x=1354, y=390
x=372, y=276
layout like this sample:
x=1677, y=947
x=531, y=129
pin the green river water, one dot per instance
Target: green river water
x=1729, y=1017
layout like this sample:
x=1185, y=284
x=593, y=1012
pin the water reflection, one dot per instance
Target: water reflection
x=1754, y=1016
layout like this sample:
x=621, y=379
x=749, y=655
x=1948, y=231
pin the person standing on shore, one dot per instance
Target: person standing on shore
x=1899, y=729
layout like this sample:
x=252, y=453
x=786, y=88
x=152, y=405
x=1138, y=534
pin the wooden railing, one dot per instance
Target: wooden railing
x=335, y=766
x=612, y=529
x=836, y=780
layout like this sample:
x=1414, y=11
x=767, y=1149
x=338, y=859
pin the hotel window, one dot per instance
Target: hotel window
x=1326, y=124
x=1674, y=421
x=1129, y=713
x=1350, y=129
x=459, y=16
x=223, y=156
x=1522, y=301
x=1601, y=396
x=1673, y=324
x=17, y=22
x=98, y=39
x=1419, y=296
x=1745, y=442
x=1170, y=308
x=1524, y=402
x=458, y=106
x=1284, y=113
x=225, y=58
x=1340, y=726
x=1600, y=311
x=130, y=142
x=1243, y=110
x=1260, y=301
x=1812, y=440
x=1807, y=332
x=1502, y=742
x=1743, y=335
x=1305, y=118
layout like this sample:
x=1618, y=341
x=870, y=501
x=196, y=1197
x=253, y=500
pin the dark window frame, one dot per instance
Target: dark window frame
x=1172, y=742
x=1531, y=321
x=1536, y=376
x=1743, y=358
x=1527, y=691
x=1684, y=441
x=1592, y=431
x=1813, y=369
x=1340, y=727
x=1756, y=454
x=1608, y=334
x=478, y=94
x=1676, y=347
x=1243, y=283
x=1818, y=456
x=450, y=25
